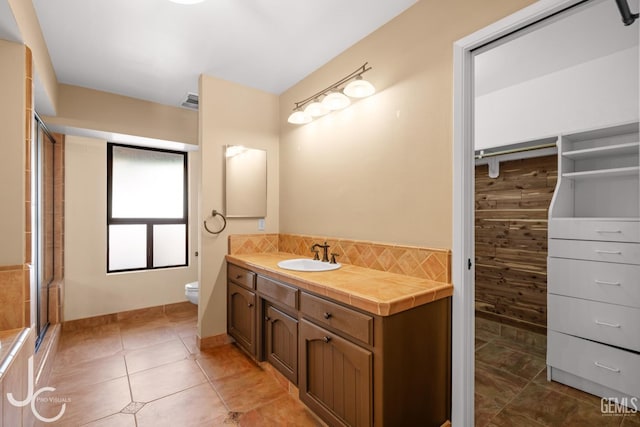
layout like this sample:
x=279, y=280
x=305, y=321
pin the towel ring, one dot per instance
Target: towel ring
x=215, y=213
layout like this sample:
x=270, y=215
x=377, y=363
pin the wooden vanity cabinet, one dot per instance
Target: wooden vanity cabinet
x=281, y=342
x=352, y=367
x=280, y=325
x=359, y=369
x=241, y=308
x=335, y=377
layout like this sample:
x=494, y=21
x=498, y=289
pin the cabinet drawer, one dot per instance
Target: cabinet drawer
x=278, y=292
x=598, y=321
x=351, y=322
x=598, y=281
x=612, y=231
x=241, y=276
x=627, y=253
x=612, y=367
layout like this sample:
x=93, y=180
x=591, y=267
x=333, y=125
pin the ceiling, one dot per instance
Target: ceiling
x=155, y=49
x=583, y=34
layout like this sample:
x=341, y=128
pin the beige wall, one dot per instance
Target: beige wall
x=92, y=109
x=12, y=158
x=29, y=26
x=230, y=114
x=382, y=169
x=89, y=291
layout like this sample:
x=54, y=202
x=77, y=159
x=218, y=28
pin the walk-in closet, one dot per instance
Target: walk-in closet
x=557, y=220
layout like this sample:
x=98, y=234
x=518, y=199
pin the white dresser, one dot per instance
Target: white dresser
x=593, y=312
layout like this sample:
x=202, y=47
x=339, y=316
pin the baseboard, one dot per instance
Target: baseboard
x=538, y=329
x=212, y=341
x=130, y=315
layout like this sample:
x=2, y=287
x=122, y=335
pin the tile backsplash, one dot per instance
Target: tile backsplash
x=424, y=263
x=14, y=298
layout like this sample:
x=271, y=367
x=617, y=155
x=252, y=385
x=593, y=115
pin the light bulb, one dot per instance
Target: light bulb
x=316, y=109
x=359, y=88
x=299, y=117
x=336, y=101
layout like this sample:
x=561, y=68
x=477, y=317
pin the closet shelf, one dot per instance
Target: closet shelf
x=603, y=173
x=607, y=150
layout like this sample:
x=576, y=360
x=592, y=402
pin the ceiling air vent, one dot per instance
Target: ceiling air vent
x=191, y=101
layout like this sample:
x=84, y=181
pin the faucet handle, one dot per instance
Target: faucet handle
x=333, y=258
x=316, y=255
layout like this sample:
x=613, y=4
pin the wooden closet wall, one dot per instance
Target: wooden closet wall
x=511, y=241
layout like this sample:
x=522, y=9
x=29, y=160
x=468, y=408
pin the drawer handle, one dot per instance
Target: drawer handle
x=327, y=315
x=609, y=231
x=239, y=276
x=326, y=339
x=611, y=325
x=608, y=252
x=602, y=282
x=608, y=368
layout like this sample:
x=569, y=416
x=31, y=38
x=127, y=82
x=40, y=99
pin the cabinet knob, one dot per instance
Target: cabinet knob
x=327, y=315
x=267, y=318
x=250, y=305
x=326, y=339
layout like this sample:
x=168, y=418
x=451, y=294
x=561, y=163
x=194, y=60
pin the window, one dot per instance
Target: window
x=146, y=208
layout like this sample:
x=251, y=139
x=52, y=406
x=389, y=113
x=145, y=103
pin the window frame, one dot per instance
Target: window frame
x=149, y=222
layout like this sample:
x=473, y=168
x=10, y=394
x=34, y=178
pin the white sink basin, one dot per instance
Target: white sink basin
x=305, y=264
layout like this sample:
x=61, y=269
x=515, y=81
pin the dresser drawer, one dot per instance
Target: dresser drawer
x=593, y=280
x=278, y=292
x=343, y=319
x=598, y=321
x=612, y=231
x=241, y=276
x=612, y=367
x=628, y=253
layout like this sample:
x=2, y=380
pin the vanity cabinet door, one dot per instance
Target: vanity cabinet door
x=282, y=342
x=335, y=377
x=241, y=316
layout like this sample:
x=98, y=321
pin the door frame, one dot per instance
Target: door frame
x=463, y=334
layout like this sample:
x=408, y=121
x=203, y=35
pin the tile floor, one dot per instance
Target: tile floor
x=511, y=387
x=148, y=372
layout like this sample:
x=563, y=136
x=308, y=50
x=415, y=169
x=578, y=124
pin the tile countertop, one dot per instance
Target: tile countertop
x=377, y=292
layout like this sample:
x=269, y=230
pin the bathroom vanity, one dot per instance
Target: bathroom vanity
x=364, y=347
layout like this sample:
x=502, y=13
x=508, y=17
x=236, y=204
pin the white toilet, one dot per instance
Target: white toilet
x=191, y=291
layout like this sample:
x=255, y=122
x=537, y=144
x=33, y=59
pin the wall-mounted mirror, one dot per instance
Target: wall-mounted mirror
x=245, y=182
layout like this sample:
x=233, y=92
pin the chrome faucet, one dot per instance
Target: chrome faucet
x=325, y=251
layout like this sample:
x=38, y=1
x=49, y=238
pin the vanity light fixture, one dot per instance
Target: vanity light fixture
x=336, y=101
x=359, y=88
x=334, y=97
x=299, y=117
x=316, y=109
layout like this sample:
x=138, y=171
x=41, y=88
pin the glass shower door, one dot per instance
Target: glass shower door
x=44, y=214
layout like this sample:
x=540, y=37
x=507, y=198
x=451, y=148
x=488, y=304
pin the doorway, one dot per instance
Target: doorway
x=466, y=130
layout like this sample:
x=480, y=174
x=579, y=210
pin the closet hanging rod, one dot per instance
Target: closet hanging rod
x=627, y=17
x=482, y=155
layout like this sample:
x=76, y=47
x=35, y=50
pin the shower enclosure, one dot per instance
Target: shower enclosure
x=44, y=245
